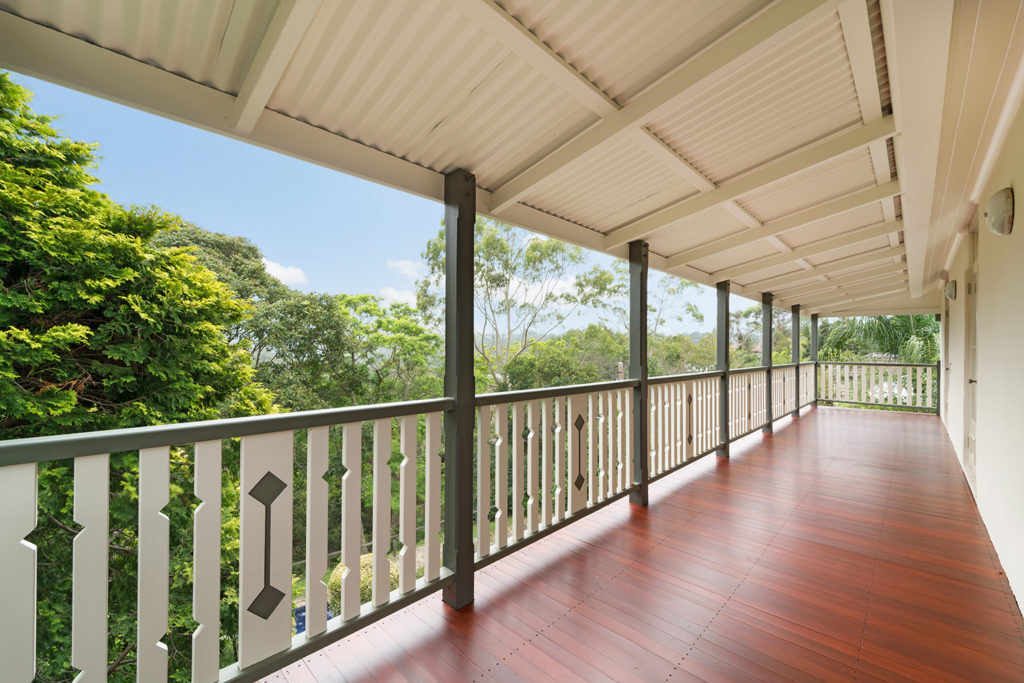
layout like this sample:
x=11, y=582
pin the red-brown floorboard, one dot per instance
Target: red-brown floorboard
x=846, y=546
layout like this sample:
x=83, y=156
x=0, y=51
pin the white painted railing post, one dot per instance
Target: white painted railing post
x=90, y=568
x=317, y=439
x=154, y=537
x=206, y=563
x=19, y=511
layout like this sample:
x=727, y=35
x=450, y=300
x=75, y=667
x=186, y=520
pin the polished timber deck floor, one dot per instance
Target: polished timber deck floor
x=846, y=546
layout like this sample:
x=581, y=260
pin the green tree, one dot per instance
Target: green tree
x=525, y=287
x=908, y=338
x=100, y=328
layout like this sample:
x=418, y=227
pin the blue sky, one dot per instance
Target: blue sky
x=320, y=229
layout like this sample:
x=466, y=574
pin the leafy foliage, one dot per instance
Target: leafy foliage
x=102, y=327
x=906, y=338
x=525, y=287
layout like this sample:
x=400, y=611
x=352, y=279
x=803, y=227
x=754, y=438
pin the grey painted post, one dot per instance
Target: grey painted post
x=766, y=355
x=459, y=383
x=723, y=367
x=814, y=354
x=796, y=357
x=638, y=366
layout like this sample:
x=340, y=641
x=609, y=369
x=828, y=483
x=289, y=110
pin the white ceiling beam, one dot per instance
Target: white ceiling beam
x=795, y=220
x=766, y=25
x=844, y=290
x=917, y=50
x=845, y=239
x=838, y=266
x=801, y=160
x=851, y=298
x=522, y=42
x=895, y=305
x=286, y=28
x=853, y=17
x=798, y=290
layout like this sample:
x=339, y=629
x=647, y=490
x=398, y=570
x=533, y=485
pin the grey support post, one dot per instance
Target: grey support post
x=459, y=383
x=766, y=355
x=723, y=367
x=796, y=357
x=814, y=354
x=638, y=366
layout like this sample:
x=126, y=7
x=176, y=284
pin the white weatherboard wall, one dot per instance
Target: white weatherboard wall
x=999, y=488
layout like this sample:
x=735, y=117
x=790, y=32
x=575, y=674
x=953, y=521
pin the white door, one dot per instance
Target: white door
x=971, y=376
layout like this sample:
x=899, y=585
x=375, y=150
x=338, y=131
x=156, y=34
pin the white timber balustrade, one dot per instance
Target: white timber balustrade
x=259, y=462
x=899, y=385
x=545, y=457
x=806, y=371
x=747, y=401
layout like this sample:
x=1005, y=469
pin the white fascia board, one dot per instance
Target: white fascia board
x=917, y=35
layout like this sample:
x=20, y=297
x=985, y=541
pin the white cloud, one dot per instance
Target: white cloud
x=407, y=267
x=392, y=295
x=289, y=275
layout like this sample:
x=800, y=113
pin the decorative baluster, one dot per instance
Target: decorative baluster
x=89, y=568
x=517, y=471
x=611, y=420
x=652, y=429
x=265, y=577
x=501, y=476
x=547, y=462
x=532, y=521
x=577, y=456
x=19, y=510
x=206, y=563
x=432, y=504
x=626, y=438
x=317, y=439
x=154, y=539
x=380, y=586
x=928, y=387
x=595, y=489
x=560, y=435
x=677, y=417
x=407, y=504
x=483, y=481
x=351, y=518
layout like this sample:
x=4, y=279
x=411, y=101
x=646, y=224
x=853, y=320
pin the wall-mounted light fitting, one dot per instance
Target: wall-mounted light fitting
x=999, y=212
x=950, y=290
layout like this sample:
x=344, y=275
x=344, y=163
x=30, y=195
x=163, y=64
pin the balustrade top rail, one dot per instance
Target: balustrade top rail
x=881, y=365
x=45, y=448
x=551, y=392
x=666, y=379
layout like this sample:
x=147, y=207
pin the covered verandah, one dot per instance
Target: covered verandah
x=846, y=546
x=824, y=157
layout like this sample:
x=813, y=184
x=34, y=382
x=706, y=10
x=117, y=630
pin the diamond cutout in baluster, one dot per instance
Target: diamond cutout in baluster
x=579, y=449
x=266, y=602
x=267, y=489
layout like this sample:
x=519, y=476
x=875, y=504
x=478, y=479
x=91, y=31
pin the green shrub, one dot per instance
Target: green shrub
x=365, y=578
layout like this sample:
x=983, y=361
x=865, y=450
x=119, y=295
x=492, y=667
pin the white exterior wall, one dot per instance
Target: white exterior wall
x=999, y=488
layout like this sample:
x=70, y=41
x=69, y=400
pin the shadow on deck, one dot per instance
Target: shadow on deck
x=846, y=545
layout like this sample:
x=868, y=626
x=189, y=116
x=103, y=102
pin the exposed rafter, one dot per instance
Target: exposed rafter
x=287, y=26
x=814, y=249
x=830, y=268
x=850, y=298
x=801, y=160
x=768, y=24
x=815, y=213
x=811, y=298
x=853, y=16
x=508, y=31
x=796, y=291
